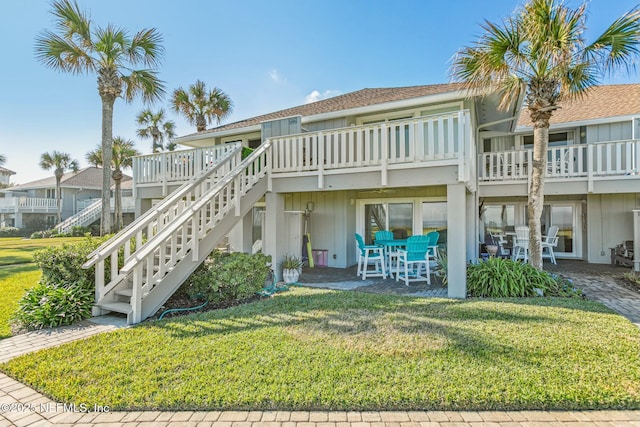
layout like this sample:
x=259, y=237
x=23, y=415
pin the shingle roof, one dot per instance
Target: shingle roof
x=360, y=98
x=89, y=178
x=600, y=102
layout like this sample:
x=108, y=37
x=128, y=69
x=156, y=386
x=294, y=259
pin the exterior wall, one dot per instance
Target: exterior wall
x=609, y=223
x=330, y=224
x=5, y=178
x=617, y=131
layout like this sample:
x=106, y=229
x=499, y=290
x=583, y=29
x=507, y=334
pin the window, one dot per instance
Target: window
x=254, y=143
x=50, y=193
x=557, y=139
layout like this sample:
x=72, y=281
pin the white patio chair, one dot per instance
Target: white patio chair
x=549, y=242
x=521, y=243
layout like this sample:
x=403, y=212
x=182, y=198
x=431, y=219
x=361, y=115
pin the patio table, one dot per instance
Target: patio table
x=388, y=246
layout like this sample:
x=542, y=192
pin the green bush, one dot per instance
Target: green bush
x=10, y=232
x=503, y=278
x=45, y=234
x=63, y=264
x=47, y=306
x=65, y=293
x=225, y=277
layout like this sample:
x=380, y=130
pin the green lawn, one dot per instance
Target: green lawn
x=314, y=349
x=17, y=272
x=16, y=250
x=13, y=281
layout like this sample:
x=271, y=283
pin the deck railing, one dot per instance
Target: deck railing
x=175, y=167
x=28, y=203
x=590, y=161
x=431, y=138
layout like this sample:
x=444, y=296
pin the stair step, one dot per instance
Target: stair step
x=118, y=307
x=127, y=292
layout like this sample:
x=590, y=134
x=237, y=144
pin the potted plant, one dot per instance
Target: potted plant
x=291, y=268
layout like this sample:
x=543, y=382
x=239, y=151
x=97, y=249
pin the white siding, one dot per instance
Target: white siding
x=609, y=223
x=618, y=131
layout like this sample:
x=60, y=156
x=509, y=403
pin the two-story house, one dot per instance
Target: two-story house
x=5, y=176
x=409, y=159
x=34, y=204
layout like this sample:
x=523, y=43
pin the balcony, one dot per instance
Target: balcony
x=574, y=169
x=27, y=204
x=384, y=152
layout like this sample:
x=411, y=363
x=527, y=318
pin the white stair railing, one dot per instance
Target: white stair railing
x=136, y=235
x=181, y=238
x=84, y=217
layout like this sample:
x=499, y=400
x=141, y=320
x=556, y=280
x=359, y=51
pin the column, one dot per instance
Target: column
x=457, y=240
x=274, y=243
x=240, y=237
x=18, y=220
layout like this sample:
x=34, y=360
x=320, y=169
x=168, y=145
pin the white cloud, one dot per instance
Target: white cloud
x=275, y=75
x=317, y=96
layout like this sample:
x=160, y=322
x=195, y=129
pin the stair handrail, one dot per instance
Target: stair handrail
x=106, y=249
x=153, y=244
x=73, y=218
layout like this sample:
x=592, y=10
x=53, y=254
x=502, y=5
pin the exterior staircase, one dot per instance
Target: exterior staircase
x=83, y=218
x=143, y=265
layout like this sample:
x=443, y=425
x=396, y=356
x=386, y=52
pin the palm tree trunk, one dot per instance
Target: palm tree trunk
x=107, y=141
x=536, y=190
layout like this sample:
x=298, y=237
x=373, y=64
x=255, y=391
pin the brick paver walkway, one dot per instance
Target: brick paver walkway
x=22, y=406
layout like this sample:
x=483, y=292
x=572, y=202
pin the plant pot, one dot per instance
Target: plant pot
x=290, y=275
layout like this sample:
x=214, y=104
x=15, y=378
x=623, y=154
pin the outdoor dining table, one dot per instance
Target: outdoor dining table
x=388, y=246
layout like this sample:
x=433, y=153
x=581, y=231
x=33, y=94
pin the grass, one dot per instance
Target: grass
x=13, y=282
x=315, y=349
x=17, y=272
x=16, y=250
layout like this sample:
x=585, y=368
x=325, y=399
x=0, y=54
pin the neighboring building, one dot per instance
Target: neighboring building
x=410, y=159
x=34, y=205
x=5, y=176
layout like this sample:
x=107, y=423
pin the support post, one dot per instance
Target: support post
x=456, y=241
x=636, y=240
x=274, y=226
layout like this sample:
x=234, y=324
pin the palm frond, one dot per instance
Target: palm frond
x=61, y=54
x=144, y=83
x=146, y=48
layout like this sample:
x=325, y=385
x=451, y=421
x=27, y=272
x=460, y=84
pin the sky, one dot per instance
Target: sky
x=266, y=55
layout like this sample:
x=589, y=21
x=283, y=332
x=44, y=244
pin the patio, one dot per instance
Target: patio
x=598, y=281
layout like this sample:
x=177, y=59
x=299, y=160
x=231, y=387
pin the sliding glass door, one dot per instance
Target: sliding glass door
x=403, y=217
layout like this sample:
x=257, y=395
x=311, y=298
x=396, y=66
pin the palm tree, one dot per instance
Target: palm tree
x=200, y=107
x=155, y=126
x=123, y=151
x=60, y=162
x=111, y=53
x=3, y=159
x=541, y=52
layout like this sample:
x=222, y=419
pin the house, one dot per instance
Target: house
x=408, y=159
x=5, y=176
x=33, y=205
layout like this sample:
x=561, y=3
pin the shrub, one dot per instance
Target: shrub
x=10, y=232
x=225, y=277
x=46, y=306
x=503, y=278
x=45, y=234
x=65, y=293
x=63, y=264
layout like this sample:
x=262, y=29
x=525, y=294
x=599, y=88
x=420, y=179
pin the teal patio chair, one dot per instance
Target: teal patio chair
x=367, y=253
x=390, y=253
x=414, y=258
